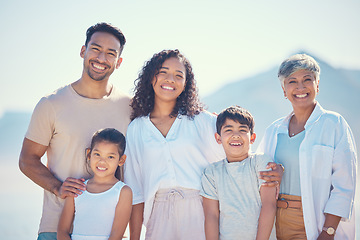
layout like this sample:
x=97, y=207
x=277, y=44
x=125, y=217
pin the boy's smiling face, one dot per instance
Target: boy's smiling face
x=236, y=139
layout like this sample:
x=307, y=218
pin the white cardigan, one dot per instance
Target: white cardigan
x=327, y=161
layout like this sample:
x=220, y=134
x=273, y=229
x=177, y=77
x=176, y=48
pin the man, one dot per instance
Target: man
x=63, y=122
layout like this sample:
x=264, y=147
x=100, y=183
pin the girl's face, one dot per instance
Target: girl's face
x=104, y=159
x=170, y=82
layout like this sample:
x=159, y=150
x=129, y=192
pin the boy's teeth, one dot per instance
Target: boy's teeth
x=236, y=144
x=301, y=96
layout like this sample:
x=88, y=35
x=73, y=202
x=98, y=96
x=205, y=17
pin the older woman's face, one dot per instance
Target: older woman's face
x=301, y=88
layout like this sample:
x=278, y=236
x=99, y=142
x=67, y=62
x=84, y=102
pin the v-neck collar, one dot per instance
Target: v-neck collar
x=157, y=132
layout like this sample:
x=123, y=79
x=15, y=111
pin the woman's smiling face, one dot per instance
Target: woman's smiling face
x=301, y=88
x=170, y=82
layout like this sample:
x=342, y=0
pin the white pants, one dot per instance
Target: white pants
x=177, y=215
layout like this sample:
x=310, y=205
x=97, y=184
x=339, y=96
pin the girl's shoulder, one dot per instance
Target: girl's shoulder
x=119, y=184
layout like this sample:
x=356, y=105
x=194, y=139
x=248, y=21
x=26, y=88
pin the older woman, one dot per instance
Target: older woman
x=317, y=149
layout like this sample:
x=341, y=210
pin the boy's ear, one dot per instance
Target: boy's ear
x=252, y=138
x=122, y=160
x=218, y=138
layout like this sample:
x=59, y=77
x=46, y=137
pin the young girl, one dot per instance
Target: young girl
x=103, y=210
x=169, y=143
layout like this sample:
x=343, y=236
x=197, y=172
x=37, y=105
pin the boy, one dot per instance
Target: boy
x=236, y=206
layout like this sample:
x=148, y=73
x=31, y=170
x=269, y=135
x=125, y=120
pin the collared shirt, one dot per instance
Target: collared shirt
x=156, y=162
x=327, y=164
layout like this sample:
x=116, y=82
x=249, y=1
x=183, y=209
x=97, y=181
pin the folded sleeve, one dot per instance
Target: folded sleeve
x=208, y=184
x=343, y=179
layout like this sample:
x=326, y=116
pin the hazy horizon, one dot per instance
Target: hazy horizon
x=225, y=41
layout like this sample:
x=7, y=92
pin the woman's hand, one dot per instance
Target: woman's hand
x=324, y=236
x=272, y=177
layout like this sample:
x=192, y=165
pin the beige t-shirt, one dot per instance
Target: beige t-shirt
x=65, y=122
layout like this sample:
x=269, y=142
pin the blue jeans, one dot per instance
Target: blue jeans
x=47, y=236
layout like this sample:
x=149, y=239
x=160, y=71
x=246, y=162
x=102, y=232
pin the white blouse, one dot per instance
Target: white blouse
x=156, y=162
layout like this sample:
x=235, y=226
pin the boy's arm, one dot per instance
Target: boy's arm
x=267, y=212
x=66, y=219
x=122, y=214
x=212, y=212
x=136, y=221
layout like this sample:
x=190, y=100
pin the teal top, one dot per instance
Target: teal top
x=287, y=153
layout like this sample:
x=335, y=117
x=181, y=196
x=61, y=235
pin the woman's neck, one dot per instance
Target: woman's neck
x=162, y=109
x=299, y=119
x=161, y=118
x=301, y=115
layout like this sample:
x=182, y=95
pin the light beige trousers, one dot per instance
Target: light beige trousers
x=177, y=215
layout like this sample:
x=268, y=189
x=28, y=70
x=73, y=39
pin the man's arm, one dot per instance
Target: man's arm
x=212, y=212
x=30, y=164
x=267, y=212
x=136, y=221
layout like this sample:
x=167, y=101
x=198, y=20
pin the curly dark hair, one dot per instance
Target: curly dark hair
x=187, y=103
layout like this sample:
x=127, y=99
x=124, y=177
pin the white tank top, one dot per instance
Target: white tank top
x=94, y=213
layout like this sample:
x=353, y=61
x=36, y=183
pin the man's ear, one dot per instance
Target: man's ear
x=119, y=61
x=218, y=138
x=252, y=138
x=122, y=160
x=82, y=51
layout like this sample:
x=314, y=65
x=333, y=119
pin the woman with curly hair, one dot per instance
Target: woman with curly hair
x=169, y=143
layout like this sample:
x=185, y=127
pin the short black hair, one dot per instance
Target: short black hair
x=108, y=28
x=237, y=114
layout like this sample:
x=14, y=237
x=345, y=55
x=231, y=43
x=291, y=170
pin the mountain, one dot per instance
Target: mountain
x=263, y=97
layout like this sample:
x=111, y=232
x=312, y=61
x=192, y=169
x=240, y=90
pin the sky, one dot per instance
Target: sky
x=224, y=40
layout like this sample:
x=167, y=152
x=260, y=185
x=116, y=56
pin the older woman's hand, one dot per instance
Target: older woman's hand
x=272, y=177
x=324, y=236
